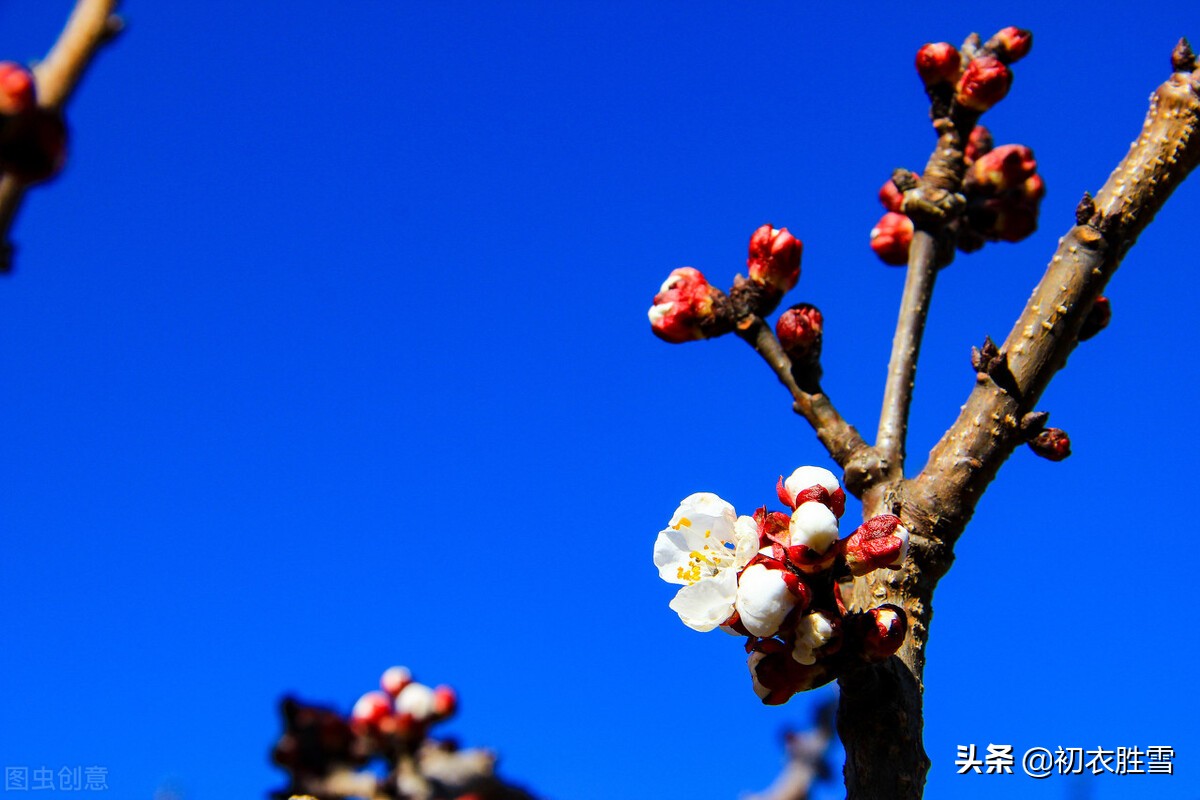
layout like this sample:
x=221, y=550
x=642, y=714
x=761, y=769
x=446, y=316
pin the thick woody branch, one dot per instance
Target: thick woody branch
x=839, y=437
x=92, y=23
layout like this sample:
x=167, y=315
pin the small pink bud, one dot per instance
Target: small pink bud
x=445, y=701
x=1011, y=44
x=799, y=331
x=774, y=258
x=978, y=143
x=1005, y=168
x=394, y=680
x=938, y=63
x=879, y=542
x=891, y=197
x=891, y=238
x=682, y=306
x=17, y=93
x=1052, y=444
x=1097, y=319
x=984, y=83
x=371, y=709
x=883, y=632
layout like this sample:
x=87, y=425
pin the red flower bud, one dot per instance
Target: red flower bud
x=886, y=633
x=1005, y=168
x=799, y=331
x=891, y=197
x=17, y=93
x=984, y=83
x=891, y=237
x=33, y=145
x=1011, y=44
x=1052, y=444
x=445, y=702
x=774, y=258
x=879, y=542
x=978, y=143
x=371, y=709
x=682, y=306
x=394, y=679
x=1097, y=319
x=777, y=676
x=938, y=63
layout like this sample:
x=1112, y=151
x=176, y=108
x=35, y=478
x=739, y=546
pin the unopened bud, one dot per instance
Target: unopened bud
x=765, y=596
x=882, y=631
x=817, y=635
x=891, y=238
x=799, y=331
x=683, y=307
x=371, y=709
x=774, y=258
x=1005, y=168
x=978, y=144
x=416, y=702
x=1052, y=444
x=812, y=484
x=879, y=542
x=445, y=702
x=984, y=83
x=1011, y=44
x=890, y=196
x=1097, y=319
x=777, y=676
x=938, y=63
x=394, y=680
x=17, y=93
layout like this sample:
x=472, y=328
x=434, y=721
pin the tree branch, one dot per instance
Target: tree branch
x=843, y=442
x=92, y=23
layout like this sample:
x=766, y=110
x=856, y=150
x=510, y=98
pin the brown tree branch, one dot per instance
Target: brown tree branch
x=880, y=714
x=92, y=23
x=843, y=442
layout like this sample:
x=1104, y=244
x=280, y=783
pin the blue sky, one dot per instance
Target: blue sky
x=328, y=351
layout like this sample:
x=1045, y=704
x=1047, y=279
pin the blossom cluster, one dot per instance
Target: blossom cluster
x=774, y=578
x=687, y=307
x=33, y=139
x=402, y=707
x=1001, y=188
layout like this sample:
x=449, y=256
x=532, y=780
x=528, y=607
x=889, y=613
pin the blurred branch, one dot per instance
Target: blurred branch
x=92, y=24
x=807, y=758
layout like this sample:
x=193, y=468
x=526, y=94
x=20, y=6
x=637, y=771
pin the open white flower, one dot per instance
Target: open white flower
x=703, y=548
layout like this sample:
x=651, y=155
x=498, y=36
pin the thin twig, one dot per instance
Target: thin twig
x=92, y=23
x=839, y=437
x=906, y=346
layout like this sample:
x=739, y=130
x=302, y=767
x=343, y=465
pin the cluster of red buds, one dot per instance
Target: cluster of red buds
x=687, y=307
x=33, y=140
x=775, y=578
x=977, y=77
x=327, y=754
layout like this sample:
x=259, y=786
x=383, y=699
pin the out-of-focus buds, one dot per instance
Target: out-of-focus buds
x=33, y=145
x=891, y=238
x=1004, y=193
x=766, y=596
x=394, y=680
x=812, y=485
x=1052, y=444
x=683, y=308
x=879, y=632
x=879, y=542
x=799, y=331
x=774, y=258
x=415, y=702
x=891, y=197
x=371, y=709
x=445, y=702
x=17, y=93
x=1097, y=319
x=984, y=83
x=1010, y=44
x=938, y=63
x=978, y=143
x=817, y=635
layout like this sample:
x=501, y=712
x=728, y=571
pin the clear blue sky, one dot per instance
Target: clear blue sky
x=328, y=351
